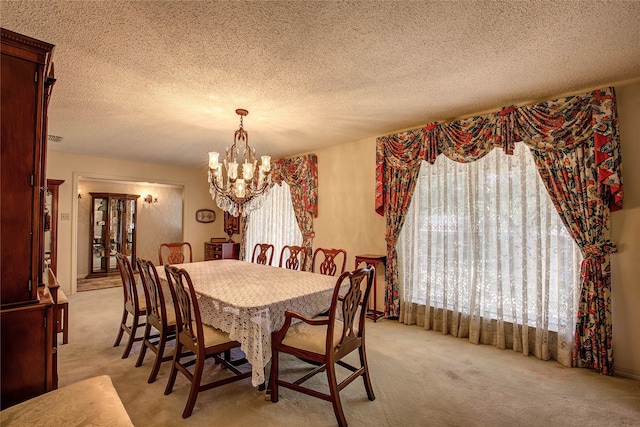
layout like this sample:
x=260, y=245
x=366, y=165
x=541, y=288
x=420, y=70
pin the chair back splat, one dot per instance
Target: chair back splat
x=296, y=258
x=175, y=253
x=202, y=340
x=132, y=305
x=326, y=261
x=161, y=317
x=325, y=341
x=262, y=254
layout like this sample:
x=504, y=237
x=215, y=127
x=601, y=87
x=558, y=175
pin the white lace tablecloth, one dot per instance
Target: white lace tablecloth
x=249, y=300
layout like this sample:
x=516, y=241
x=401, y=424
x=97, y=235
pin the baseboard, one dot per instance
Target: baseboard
x=627, y=373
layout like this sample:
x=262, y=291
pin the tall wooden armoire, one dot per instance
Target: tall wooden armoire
x=28, y=313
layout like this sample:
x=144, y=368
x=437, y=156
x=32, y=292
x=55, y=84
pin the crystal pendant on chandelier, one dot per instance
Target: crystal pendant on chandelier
x=246, y=183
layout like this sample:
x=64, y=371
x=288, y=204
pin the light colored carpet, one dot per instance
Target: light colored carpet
x=419, y=378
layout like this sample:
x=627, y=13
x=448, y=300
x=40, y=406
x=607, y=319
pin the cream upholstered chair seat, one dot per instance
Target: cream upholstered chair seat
x=312, y=337
x=142, y=305
x=212, y=336
x=171, y=317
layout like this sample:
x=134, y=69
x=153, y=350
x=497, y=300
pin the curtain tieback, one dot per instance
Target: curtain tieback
x=599, y=249
x=507, y=110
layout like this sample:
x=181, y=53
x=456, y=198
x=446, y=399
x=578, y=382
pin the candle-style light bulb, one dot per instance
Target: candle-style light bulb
x=233, y=170
x=247, y=171
x=213, y=159
x=240, y=188
x=266, y=163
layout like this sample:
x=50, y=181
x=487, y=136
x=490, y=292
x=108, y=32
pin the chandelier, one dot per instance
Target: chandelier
x=238, y=188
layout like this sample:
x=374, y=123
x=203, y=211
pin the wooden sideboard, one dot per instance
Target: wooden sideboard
x=226, y=250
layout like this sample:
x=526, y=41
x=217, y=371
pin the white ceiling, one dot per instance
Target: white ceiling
x=160, y=81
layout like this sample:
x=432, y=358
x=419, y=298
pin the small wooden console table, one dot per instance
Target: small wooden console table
x=373, y=261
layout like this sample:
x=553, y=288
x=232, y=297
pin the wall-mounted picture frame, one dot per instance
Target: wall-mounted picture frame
x=205, y=215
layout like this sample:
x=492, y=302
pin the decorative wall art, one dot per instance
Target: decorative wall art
x=205, y=215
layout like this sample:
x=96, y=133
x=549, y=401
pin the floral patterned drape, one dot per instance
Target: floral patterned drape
x=583, y=189
x=243, y=242
x=301, y=173
x=401, y=155
x=577, y=149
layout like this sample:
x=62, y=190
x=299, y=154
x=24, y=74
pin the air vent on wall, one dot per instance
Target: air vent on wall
x=55, y=138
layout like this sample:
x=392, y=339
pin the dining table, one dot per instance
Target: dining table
x=249, y=301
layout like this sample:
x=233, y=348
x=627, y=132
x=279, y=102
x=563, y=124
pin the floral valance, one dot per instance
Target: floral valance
x=559, y=125
x=300, y=173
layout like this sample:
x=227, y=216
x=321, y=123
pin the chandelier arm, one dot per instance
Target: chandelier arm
x=219, y=190
x=229, y=192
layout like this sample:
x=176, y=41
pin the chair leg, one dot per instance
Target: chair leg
x=125, y=314
x=143, y=349
x=195, y=386
x=132, y=336
x=174, y=371
x=365, y=375
x=335, y=395
x=159, y=357
x=273, y=377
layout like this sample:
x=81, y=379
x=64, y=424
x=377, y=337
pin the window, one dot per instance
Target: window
x=275, y=223
x=483, y=239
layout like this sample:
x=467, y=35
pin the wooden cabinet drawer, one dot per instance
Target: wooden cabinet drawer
x=227, y=250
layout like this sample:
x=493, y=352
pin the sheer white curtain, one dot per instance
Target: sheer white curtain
x=483, y=254
x=274, y=223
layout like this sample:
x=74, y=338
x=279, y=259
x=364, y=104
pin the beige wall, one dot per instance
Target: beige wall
x=625, y=233
x=347, y=218
x=346, y=202
x=70, y=167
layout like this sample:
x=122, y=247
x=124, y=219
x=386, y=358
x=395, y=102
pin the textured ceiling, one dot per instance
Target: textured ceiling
x=160, y=81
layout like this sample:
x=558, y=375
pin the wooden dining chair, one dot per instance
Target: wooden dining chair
x=159, y=316
x=262, y=254
x=324, y=261
x=203, y=340
x=296, y=258
x=175, y=253
x=325, y=341
x=132, y=305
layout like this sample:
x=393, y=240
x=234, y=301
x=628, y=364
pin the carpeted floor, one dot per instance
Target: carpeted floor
x=419, y=378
